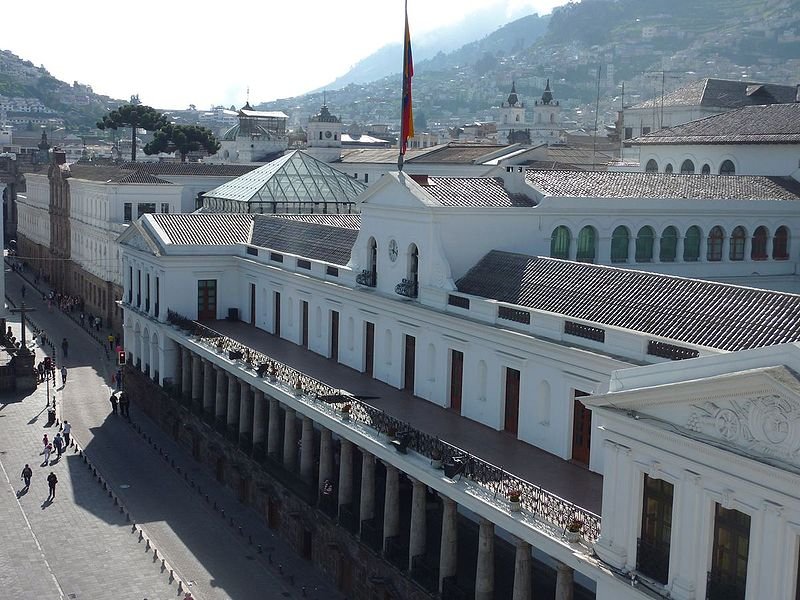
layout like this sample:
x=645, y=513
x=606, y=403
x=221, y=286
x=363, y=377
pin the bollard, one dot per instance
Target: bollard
x=250, y=539
x=147, y=546
x=180, y=587
x=260, y=550
x=116, y=501
x=163, y=564
x=215, y=505
x=141, y=535
x=172, y=462
x=171, y=574
x=280, y=569
x=207, y=498
x=269, y=558
x=241, y=532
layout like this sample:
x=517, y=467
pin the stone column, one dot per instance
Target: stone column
x=197, y=381
x=274, y=435
x=345, y=473
x=391, y=504
x=245, y=416
x=219, y=402
x=259, y=422
x=325, y=455
x=448, y=554
x=484, y=572
x=186, y=373
x=367, y=503
x=233, y=407
x=289, y=440
x=564, y=581
x=522, y=571
x=416, y=543
x=208, y=390
x=679, y=248
x=307, y=451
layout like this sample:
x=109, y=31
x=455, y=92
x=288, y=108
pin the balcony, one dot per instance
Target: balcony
x=554, y=490
x=407, y=288
x=367, y=278
x=652, y=559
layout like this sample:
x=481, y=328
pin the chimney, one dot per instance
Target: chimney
x=514, y=180
x=59, y=157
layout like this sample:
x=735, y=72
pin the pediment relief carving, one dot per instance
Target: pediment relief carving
x=138, y=242
x=766, y=424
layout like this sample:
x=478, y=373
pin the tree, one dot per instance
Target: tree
x=135, y=117
x=182, y=139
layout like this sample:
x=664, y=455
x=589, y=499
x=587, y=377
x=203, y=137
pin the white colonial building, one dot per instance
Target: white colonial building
x=259, y=136
x=434, y=303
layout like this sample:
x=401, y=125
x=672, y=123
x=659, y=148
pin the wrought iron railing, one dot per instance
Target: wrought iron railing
x=496, y=481
x=724, y=586
x=366, y=278
x=652, y=559
x=407, y=288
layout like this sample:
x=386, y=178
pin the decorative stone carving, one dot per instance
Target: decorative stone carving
x=767, y=424
x=137, y=241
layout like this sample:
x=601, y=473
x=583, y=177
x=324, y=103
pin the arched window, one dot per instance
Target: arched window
x=669, y=244
x=619, y=244
x=651, y=167
x=687, y=167
x=644, y=244
x=738, y=237
x=320, y=135
x=715, y=239
x=413, y=268
x=706, y=169
x=559, y=242
x=691, y=244
x=587, y=242
x=758, y=251
x=727, y=168
x=780, y=243
x=668, y=168
x=372, y=262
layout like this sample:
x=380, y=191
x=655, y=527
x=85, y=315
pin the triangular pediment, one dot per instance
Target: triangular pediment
x=397, y=190
x=755, y=411
x=137, y=238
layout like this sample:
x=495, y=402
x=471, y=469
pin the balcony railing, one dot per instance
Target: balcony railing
x=496, y=482
x=407, y=288
x=724, y=586
x=367, y=278
x=652, y=559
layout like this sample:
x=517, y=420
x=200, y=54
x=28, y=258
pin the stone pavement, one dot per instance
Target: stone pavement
x=203, y=548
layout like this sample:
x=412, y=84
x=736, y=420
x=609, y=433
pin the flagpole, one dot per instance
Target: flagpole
x=406, y=116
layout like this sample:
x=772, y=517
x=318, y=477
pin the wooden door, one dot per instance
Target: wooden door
x=334, y=335
x=276, y=328
x=253, y=304
x=581, y=430
x=206, y=299
x=369, y=348
x=456, y=379
x=511, y=423
x=409, y=363
x=304, y=336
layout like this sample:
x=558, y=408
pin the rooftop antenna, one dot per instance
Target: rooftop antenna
x=324, y=102
x=248, y=94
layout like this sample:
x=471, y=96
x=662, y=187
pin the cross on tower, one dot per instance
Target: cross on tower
x=23, y=310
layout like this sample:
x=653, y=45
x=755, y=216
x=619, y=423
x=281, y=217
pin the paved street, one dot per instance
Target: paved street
x=204, y=549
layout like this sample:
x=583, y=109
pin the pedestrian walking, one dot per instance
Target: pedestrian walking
x=58, y=443
x=45, y=441
x=119, y=379
x=113, y=401
x=52, y=480
x=53, y=372
x=82, y=317
x=48, y=450
x=111, y=342
x=26, y=475
x=64, y=348
x=67, y=431
x=124, y=405
x=63, y=374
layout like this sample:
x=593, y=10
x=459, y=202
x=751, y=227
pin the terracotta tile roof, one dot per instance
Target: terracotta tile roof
x=723, y=93
x=768, y=124
x=691, y=311
x=474, y=192
x=197, y=169
x=457, y=153
x=380, y=155
x=113, y=174
x=316, y=241
x=204, y=229
x=604, y=184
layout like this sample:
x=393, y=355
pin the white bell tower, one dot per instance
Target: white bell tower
x=324, y=135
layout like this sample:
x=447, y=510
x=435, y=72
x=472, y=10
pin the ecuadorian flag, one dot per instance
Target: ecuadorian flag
x=407, y=121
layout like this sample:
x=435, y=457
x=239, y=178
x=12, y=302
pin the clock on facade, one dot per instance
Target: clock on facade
x=328, y=134
x=393, y=250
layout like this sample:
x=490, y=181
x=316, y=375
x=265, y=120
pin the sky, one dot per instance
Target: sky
x=205, y=53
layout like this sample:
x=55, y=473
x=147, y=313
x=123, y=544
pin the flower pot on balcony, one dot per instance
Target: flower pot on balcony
x=514, y=505
x=573, y=531
x=436, y=463
x=345, y=412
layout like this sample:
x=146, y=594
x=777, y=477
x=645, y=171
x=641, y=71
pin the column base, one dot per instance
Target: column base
x=232, y=432
x=208, y=417
x=611, y=553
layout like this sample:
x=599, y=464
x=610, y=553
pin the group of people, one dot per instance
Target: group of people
x=122, y=402
x=59, y=444
x=52, y=480
x=46, y=369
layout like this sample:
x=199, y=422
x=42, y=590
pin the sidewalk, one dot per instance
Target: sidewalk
x=203, y=547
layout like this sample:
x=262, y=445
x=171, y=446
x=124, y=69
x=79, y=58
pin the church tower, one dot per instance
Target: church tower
x=324, y=135
x=546, y=126
x=512, y=127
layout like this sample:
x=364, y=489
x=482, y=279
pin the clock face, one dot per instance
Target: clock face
x=393, y=250
x=328, y=134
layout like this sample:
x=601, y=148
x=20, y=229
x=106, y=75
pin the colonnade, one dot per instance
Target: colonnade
x=260, y=424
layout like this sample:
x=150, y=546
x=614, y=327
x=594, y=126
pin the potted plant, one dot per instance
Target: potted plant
x=298, y=387
x=346, y=412
x=391, y=432
x=220, y=346
x=436, y=458
x=515, y=500
x=273, y=372
x=574, y=530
